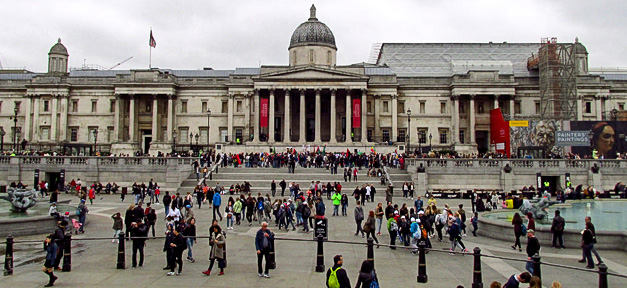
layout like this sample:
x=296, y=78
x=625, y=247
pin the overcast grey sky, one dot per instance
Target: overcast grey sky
x=193, y=34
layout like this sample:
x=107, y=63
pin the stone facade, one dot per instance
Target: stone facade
x=449, y=89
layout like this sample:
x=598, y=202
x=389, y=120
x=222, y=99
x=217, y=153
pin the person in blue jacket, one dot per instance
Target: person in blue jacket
x=217, y=201
x=51, y=255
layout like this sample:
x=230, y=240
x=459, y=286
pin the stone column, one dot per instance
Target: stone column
x=27, y=119
x=35, y=119
x=288, y=118
x=155, y=119
x=271, y=117
x=63, y=118
x=364, y=117
x=579, y=108
x=53, y=118
x=257, y=114
x=318, y=139
x=170, y=123
x=302, y=130
x=471, y=125
x=333, y=117
x=349, y=119
x=229, y=118
x=599, y=101
x=394, y=117
x=377, y=117
x=131, y=119
x=455, y=119
x=247, y=117
x=512, y=107
x=116, y=119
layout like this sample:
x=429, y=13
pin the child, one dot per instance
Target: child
x=474, y=221
x=51, y=255
x=76, y=225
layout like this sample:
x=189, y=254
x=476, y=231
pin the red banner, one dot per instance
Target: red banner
x=499, y=132
x=356, y=113
x=263, y=113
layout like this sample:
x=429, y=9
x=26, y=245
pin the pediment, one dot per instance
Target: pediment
x=310, y=73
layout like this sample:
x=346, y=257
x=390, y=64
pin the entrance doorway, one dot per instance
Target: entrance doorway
x=53, y=179
x=146, y=139
x=481, y=137
x=553, y=181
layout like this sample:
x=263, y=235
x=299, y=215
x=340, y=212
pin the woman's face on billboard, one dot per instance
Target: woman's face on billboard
x=605, y=143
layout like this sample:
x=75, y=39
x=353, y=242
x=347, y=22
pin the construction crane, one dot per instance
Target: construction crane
x=116, y=65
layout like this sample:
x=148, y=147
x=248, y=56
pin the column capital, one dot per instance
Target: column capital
x=256, y=91
x=231, y=95
x=364, y=90
x=171, y=96
x=394, y=96
x=333, y=91
x=454, y=97
x=318, y=91
x=302, y=91
x=287, y=90
x=472, y=96
x=271, y=92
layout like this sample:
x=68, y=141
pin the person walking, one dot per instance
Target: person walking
x=557, y=228
x=51, y=254
x=370, y=227
x=594, y=241
x=305, y=215
x=336, y=275
x=263, y=245
x=533, y=248
x=273, y=188
x=190, y=237
x=139, y=231
x=217, y=243
x=518, y=231
x=344, y=203
x=474, y=221
x=359, y=217
x=393, y=230
x=82, y=215
x=217, y=201
x=587, y=243
x=177, y=246
x=379, y=217
x=366, y=275
x=337, y=200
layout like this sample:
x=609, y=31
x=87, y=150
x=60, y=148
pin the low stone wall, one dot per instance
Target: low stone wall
x=30, y=225
x=608, y=240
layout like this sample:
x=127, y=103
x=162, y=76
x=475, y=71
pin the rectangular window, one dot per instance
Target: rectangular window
x=238, y=106
x=462, y=107
x=46, y=105
x=238, y=135
x=369, y=135
x=401, y=135
x=369, y=107
x=621, y=106
x=184, y=106
x=588, y=108
x=112, y=106
x=45, y=133
x=538, y=108
x=203, y=106
x=225, y=107
x=479, y=107
x=442, y=107
x=91, y=135
x=74, y=106
x=203, y=137
x=386, y=135
x=16, y=130
x=148, y=108
x=94, y=106
x=401, y=107
x=183, y=135
x=73, y=134
x=386, y=107
x=422, y=135
x=422, y=107
x=517, y=107
x=462, y=136
x=110, y=134
x=443, y=136
x=17, y=106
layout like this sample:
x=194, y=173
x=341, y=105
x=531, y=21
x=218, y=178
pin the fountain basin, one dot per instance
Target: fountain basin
x=34, y=221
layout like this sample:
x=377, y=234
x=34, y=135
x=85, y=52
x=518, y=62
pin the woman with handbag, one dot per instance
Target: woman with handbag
x=370, y=227
x=218, y=244
x=367, y=276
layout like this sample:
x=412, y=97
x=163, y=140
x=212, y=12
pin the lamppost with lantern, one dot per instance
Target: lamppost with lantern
x=95, y=139
x=408, y=130
x=2, y=133
x=430, y=136
x=197, y=136
x=191, y=137
x=173, y=141
x=208, y=118
x=15, y=129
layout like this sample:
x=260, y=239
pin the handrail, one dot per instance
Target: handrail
x=213, y=168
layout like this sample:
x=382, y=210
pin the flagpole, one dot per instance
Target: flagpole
x=150, y=47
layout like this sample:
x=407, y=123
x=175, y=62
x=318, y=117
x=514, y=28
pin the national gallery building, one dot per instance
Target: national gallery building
x=425, y=95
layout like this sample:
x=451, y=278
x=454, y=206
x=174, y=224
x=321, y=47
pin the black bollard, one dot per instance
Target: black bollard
x=536, y=266
x=121, y=252
x=8, y=257
x=67, y=253
x=371, y=251
x=271, y=255
x=602, y=276
x=320, y=258
x=476, y=276
x=422, y=263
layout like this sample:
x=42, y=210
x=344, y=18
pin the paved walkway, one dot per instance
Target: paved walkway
x=94, y=262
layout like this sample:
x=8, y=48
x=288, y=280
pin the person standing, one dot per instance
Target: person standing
x=167, y=199
x=139, y=232
x=51, y=255
x=217, y=243
x=273, y=188
x=533, y=248
x=557, y=228
x=336, y=275
x=337, y=200
x=393, y=230
x=117, y=226
x=177, y=246
x=517, y=222
x=217, y=201
x=263, y=245
x=587, y=243
x=359, y=217
x=305, y=215
x=366, y=275
x=474, y=221
x=189, y=233
x=282, y=184
x=370, y=227
x=594, y=241
x=82, y=215
x=379, y=217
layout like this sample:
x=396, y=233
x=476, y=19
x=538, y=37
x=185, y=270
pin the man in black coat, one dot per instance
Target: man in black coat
x=515, y=280
x=533, y=247
x=342, y=276
x=139, y=231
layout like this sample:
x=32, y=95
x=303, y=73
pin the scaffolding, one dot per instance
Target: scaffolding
x=558, y=79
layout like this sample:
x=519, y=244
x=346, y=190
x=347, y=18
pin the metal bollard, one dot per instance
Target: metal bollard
x=67, y=253
x=602, y=276
x=320, y=258
x=476, y=276
x=422, y=263
x=371, y=251
x=536, y=266
x=121, y=252
x=8, y=257
x=271, y=255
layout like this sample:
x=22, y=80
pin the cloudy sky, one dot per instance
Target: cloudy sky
x=193, y=34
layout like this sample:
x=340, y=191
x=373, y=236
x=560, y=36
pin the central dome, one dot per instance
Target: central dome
x=312, y=32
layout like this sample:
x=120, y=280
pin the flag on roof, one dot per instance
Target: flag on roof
x=152, y=41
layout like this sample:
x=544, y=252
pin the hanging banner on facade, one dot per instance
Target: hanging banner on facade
x=572, y=138
x=356, y=113
x=499, y=132
x=263, y=112
x=518, y=123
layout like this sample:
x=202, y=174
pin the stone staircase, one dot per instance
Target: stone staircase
x=260, y=179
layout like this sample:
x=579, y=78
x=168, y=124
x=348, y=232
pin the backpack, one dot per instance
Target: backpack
x=393, y=226
x=424, y=233
x=333, y=282
x=260, y=205
x=374, y=283
x=523, y=228
x=442, y=219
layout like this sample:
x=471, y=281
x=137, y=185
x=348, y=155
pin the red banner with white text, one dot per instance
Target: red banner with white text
x=356, y=113
x=263, y=113
x=499, y=132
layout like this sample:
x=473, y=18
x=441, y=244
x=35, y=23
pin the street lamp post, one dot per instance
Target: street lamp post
x=208, y=118
x=197, y=136
x=173, y=141
x=15, y=129
x=408, y=130
x=2, y=133
x=191, y=136
x=430, y=136
x=95, y=139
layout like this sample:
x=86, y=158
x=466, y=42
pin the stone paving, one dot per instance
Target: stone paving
x=94, y=262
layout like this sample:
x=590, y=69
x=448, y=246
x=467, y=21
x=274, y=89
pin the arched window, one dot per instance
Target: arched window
x=294, y=57
x=311, y=56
